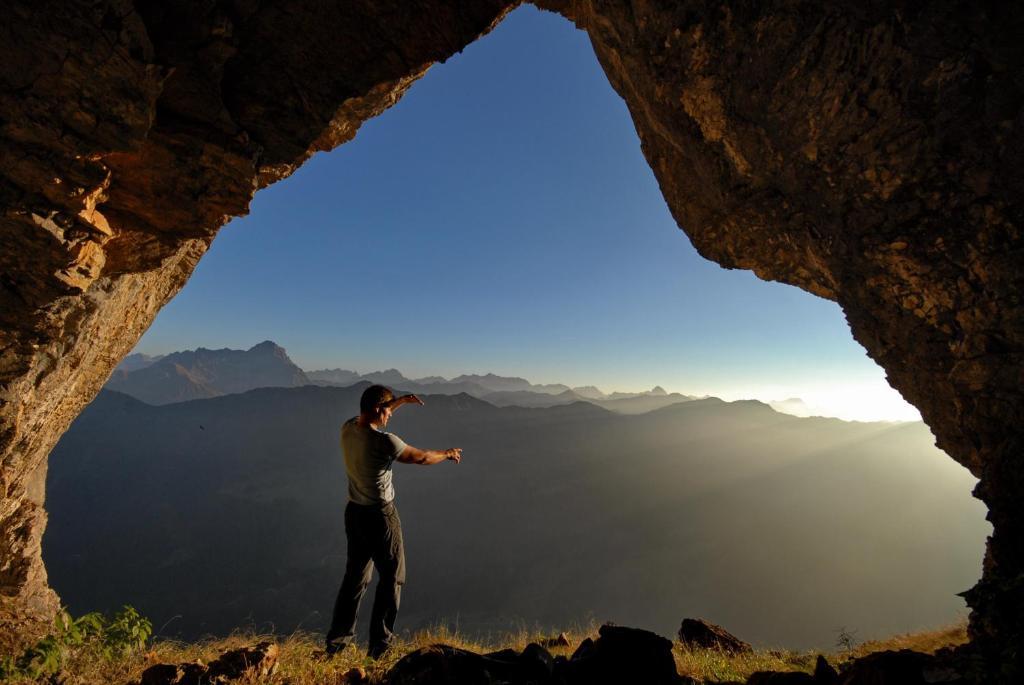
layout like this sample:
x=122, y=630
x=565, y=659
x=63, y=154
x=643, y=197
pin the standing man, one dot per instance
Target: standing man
x=372, y=526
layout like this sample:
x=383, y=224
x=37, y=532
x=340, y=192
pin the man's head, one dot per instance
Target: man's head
x=374, y=403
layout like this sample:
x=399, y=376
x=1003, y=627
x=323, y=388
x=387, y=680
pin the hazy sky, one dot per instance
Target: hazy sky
x=501, y=218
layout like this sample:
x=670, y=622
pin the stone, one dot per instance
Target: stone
x=258, y=661
x=537, y=663
x=824, y=674
x=869, y=154
x=622, y=655
x=780, y=678
x=246, y=663
x=561, y=640
x=355, y=676
x=904, y=667
x=446, y=665
x=698, y=633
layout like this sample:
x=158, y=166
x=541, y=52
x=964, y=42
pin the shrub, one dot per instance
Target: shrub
x=111, y=638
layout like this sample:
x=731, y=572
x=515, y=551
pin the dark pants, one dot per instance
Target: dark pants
x=374, y=535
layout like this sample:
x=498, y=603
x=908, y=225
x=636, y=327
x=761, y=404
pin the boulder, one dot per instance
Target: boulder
x=246, y=663
x=904, y=667
x=824, y=674
x=446, y=665
x=696, y=632
x=561, y=640
x=621, y=655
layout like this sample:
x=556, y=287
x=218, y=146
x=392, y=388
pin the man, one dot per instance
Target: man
x=372, y=526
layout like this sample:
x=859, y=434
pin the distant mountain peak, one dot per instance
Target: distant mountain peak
x=201, y=373
x=266, y=346
x=657, y=390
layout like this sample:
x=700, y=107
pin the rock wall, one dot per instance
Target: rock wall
x=129, y=133
x=866, y=152
x=870, y=154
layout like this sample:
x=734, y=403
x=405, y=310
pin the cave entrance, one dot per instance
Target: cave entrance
x=513, y=202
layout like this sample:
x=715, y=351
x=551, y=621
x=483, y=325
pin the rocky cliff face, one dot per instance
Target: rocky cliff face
x=868, y=153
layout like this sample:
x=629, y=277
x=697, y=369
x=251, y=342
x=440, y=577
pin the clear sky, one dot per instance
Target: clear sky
x=502, y=218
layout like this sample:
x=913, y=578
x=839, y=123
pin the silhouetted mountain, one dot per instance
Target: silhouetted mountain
x=495, y=383
x=215, y=513
x=589, y=392
x=134, y=362
x=204, y=373
x=642, y=403
x=529, y=398
x=391, y=377
x=340, y=377
x=655, y=391
x=794, y=406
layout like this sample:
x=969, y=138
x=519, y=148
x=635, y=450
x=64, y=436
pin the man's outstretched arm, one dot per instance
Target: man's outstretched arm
x=404, y=399
x=414, y=455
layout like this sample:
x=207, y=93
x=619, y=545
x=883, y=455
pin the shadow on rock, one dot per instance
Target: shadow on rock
x=619, y=655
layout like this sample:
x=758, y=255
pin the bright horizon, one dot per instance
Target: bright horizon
x=502, y=219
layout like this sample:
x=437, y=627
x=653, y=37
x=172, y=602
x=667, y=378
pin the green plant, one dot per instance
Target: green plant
x=126, y=632
x=846, y=640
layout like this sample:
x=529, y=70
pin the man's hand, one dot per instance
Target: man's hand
x=414, y=455
x=404, y=399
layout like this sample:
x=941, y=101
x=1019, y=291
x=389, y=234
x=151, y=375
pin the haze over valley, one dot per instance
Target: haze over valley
x=225, y=509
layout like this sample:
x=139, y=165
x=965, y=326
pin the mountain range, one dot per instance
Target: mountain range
x=200, y=373
x=214, y=514
x=204, y=373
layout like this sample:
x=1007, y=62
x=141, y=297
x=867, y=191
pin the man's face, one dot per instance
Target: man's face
x=385, y=413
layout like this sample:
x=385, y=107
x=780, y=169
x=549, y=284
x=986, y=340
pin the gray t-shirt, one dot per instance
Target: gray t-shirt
x=369, y=454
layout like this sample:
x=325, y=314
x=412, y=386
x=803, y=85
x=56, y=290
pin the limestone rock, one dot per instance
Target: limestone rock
x=904, y=667
x=868, y=153
x=622, y=655
x=824, y=674
x=246, y=663
x=696, y=632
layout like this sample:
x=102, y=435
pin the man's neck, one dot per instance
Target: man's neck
x=371, y=422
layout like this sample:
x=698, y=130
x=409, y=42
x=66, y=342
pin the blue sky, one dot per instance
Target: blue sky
x=501, y=218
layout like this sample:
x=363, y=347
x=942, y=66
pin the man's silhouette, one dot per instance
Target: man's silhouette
x=372, y=526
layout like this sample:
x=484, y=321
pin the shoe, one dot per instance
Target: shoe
x=375, y=652
x=332, y=648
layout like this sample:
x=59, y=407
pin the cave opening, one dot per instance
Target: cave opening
x=532, y=273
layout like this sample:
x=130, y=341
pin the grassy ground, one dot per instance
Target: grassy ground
x=300, y=663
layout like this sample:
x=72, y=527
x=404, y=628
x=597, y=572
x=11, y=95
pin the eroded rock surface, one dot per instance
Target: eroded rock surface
x=869, y=153
x=129, y=133
x=699, y=634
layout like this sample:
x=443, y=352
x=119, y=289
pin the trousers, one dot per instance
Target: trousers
x=374, y=535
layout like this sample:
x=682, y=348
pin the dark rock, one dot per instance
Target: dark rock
x=904, y=667
x=869, y=153
x=509, y=655
x=442, y=665
x=355, y=676
x=696, y=632
x=161, y=674
x=562, y=640
x=537, y=662
x=446, y=665
x=824, y=673
x=622, y=655
x=248, y=663
x=169, y=674
x=585, y=649
x=780, y=678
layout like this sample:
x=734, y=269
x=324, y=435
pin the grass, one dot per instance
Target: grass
x=299, y=663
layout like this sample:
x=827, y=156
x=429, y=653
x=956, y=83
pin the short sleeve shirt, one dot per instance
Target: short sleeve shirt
x=369, y=454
